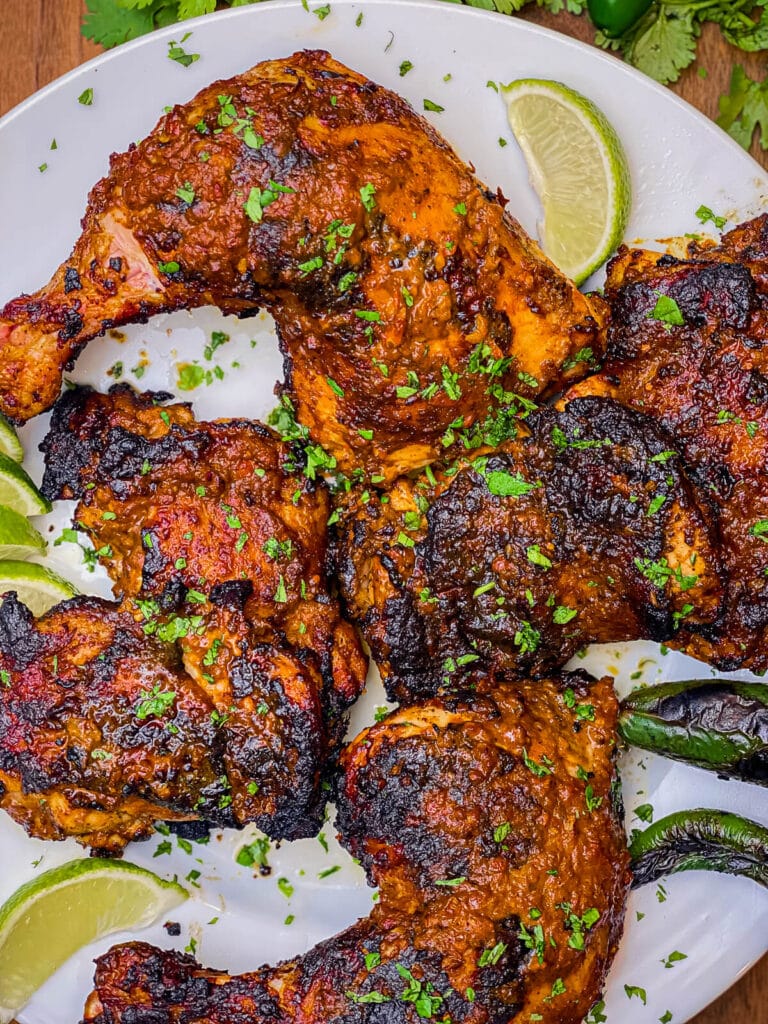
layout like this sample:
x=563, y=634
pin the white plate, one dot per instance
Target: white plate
x=679, y=160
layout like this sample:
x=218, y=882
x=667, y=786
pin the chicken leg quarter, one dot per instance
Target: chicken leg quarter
x=407, y=301
x=492, y=826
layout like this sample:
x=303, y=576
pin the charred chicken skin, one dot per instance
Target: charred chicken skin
x=101, y=732
x=583, y=530
x=403, y=302
x=217, y=545
x=490, y=824
x=688, y=345
x=205, y=517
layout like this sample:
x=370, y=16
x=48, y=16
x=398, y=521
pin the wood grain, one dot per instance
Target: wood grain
x=40, y=40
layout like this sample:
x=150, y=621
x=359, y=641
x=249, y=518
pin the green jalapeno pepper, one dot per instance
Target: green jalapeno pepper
x=718, y=724
x=614, y=17
x=701, y=840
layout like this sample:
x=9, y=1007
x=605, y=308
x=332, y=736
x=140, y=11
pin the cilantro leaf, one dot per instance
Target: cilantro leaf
x=744, y=108
x=666, y=46
x=110, y=25
x=194, y=8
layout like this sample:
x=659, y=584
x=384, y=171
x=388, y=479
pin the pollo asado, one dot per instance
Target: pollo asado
x=403, y=302
x=101, y=732
x=583, y=530
x=492, y=825
x=191, y=518
x=217, y=546
x=688, y=345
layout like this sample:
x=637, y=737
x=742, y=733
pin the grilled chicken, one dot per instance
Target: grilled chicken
x=491, y=825
x=688, y=346
x=101, y=733
x=584, y=531
x=198, y=522
x=275, y=189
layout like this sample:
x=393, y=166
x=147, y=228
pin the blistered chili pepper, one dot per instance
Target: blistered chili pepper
x=700, y=840
x=719, y=724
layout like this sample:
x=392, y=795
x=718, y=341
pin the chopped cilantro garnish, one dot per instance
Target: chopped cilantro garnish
x=154, y=702
x=545, y=768
x=180, y=55
x=704, y=214
x=563, y=614
x=536, y=557
x=667, y=311
x=635, y=991
x=674, y=958
x=644, y=812
x=489, y=957
x=527, y=638
x=501, y=832
x=314, y=264
x=281, y=594
x=508, y=485
x=259, y=199
x=367, y=194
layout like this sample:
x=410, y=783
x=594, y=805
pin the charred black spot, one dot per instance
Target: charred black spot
x=155, y=563
x=73, y=325
x=71, y=280
x=19, y=640
x=231, y=593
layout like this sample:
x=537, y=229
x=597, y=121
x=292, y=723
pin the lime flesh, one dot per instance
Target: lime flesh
x=9, y=441
x=579, y=171
x=18, y=538
x=35, y=586
x=62, y=910
x=18, y=491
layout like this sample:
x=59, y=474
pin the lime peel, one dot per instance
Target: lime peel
x=577, y=167
x=18, y=491
x=9, y=440
x=48, y=919
x=18, y=537
x=36, y=586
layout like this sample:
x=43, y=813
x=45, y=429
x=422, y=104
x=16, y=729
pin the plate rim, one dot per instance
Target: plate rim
x=513, y=25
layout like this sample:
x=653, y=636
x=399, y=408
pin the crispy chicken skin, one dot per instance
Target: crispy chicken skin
x=200, y=518
x=584, y=531
x=275, y=189
x=706, y=381
x=101, y=733
x=217, y=543
x=509, y=795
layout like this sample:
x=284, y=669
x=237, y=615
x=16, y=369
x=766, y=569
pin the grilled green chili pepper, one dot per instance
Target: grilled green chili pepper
x=702, y=840
x=716, y=724
x=614, y=17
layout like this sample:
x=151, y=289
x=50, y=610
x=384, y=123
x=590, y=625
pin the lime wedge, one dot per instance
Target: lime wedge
x=18, y=538
x=9, y=440
x=50, y=918
x=578, y=169
x=18, y=491
x=36, y=587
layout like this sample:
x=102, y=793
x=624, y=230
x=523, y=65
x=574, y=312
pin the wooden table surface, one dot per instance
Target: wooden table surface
x=40, y=40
